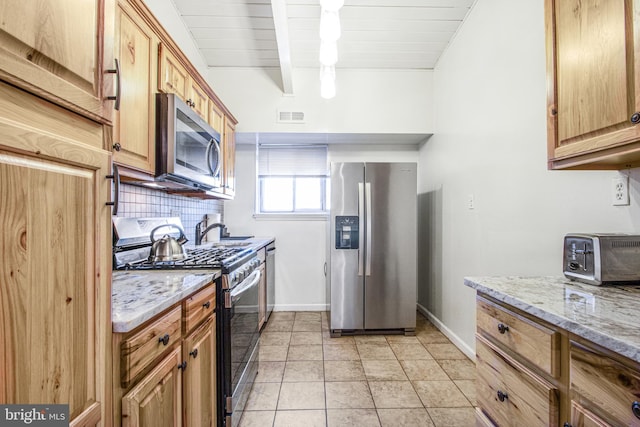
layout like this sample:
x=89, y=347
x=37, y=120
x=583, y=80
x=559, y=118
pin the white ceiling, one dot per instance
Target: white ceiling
x=378, y=34
x=284, y=34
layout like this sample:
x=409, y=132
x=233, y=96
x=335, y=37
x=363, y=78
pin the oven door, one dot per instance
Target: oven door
x=241, y=330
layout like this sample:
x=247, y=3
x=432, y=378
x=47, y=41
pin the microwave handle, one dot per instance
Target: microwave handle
x=214, y=144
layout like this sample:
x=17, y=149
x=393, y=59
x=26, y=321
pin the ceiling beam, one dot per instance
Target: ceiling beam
x=279, y=9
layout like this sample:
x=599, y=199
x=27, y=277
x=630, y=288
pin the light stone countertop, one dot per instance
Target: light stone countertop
x=137, y=296
x=605, y=315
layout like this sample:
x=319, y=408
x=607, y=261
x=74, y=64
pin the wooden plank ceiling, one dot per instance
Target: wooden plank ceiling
x=376, y=34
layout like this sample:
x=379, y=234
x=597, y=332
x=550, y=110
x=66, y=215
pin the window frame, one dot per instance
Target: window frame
x=307, y=214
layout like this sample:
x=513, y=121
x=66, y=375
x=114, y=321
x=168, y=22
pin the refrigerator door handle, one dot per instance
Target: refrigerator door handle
x=360, y=230
x=368, y=225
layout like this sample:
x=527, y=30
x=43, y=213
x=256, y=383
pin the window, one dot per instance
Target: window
x=292, y=179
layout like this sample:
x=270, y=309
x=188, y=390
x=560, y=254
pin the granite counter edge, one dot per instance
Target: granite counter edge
x=129, y=324
x=620, y=347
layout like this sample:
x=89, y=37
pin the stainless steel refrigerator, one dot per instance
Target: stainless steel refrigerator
x=373, y=247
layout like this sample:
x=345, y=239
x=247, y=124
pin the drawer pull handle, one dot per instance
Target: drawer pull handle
x=115, y=98
x=182, y=366
x=194, y=353
x=206, y=304
x=164, y=339
x=502, y=396
x=635, y=408
x=502, y=328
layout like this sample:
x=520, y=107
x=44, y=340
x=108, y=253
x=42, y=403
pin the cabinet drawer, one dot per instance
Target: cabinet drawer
x=509, y=393
x=482, y=420
x=581, y=417
x=198, y=306
x=534, y=342
x=611, y=386
x=146, y=345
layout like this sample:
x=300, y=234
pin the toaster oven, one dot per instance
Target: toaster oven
x=601, y=259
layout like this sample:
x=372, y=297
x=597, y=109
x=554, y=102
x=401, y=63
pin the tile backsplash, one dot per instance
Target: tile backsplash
x=143, y=202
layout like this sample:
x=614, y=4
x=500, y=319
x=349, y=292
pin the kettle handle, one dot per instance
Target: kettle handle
x=181, y=239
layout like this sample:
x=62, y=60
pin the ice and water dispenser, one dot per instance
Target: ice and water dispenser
x=347, y=232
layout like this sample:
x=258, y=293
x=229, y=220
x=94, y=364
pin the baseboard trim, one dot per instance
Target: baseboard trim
x=455, y=339
x=301, y=307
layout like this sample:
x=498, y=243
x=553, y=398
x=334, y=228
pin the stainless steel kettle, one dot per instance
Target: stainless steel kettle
x=168, y=248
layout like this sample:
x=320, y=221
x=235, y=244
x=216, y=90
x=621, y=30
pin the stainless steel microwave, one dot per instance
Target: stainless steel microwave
x=188, y=152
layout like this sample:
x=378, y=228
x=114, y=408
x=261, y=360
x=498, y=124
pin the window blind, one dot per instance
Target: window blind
x=292, y=160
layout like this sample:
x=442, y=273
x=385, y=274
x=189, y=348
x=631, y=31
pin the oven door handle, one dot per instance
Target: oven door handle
x=246, y=284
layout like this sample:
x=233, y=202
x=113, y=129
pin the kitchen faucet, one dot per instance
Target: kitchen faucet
x=200, y=234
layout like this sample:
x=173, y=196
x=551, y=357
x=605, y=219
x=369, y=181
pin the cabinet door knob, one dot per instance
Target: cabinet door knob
x=117, y=146
x=194, y=353
x=566, y=425
x=502, y=396
x=502, y=328
x=635, y=118
x=182, y=366
x=635, y=408
x=164, y=339
x=206, y=304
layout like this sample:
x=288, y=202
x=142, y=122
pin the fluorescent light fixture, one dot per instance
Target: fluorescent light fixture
x=328, y=53
x=327, y=81
x=332, y=5
x=329, y=26
x=329, y=34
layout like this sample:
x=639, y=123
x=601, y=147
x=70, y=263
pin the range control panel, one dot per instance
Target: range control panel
x=347, y=232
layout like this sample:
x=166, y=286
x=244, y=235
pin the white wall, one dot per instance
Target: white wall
x=301, y=244
x=490, y=141
x=166, y=13
x=367, y=101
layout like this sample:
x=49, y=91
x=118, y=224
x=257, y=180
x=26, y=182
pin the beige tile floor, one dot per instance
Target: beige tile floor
x=307, y=378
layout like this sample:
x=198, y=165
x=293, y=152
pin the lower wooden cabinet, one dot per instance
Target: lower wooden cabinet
x=581, y=417
x=174, y=382
x=572, y=382
x=510, y=393
x=199, y=376
x=155, y=400
x=605, y=385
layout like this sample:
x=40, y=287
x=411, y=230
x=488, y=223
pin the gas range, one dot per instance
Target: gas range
x=226, y=259
x=132, y=243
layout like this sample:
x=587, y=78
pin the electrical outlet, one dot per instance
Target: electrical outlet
x=470, y=202
x=620, y=186
x=174, y=212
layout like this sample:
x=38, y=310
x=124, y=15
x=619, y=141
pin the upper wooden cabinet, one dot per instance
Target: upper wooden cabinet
x=55, y=275
x=593, y=83
x=198, y=99
x=59, y=51
x=134, y=135
x=216, y=118
x=173, y=77
x=229, y=152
